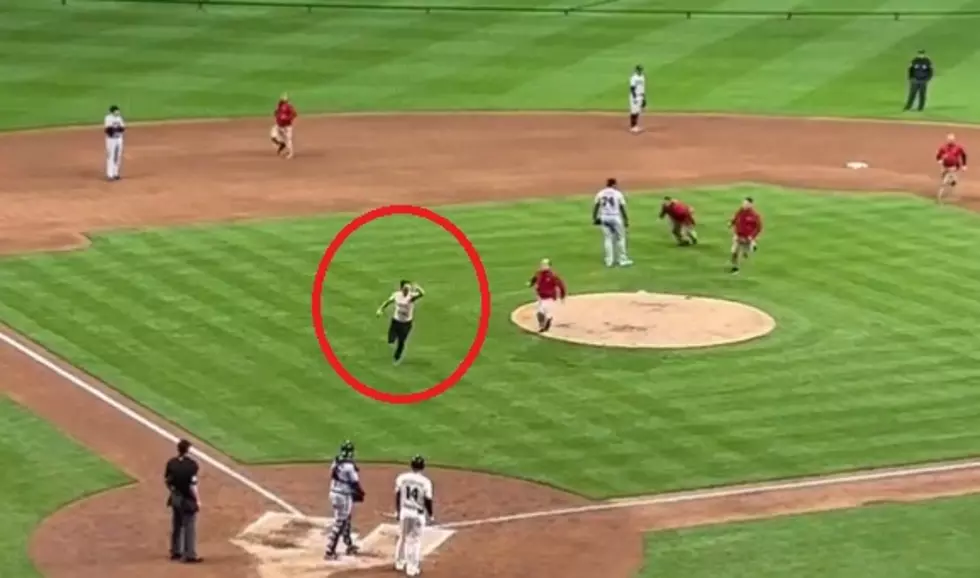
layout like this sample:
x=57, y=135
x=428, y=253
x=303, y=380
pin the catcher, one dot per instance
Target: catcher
x=282, y=130
x=345, y=491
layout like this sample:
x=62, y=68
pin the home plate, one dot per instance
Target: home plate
x=287, y=546
x=857, y=165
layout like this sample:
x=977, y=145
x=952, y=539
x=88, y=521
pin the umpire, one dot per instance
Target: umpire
x=920, y=73
x=184, y=502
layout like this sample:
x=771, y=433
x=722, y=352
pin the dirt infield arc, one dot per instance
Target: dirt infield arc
x=52, y=193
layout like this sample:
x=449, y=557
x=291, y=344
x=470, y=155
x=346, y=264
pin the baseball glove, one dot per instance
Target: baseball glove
x=358, y=496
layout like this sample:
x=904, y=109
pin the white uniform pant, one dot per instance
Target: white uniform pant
x=545, y=307
x=408, y=549
x=636, y=105
x=113, y=156
x=613, y=240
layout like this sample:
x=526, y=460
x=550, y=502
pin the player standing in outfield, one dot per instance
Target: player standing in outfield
x=638, y=98
x=952, y=159
x=609, y=212
x=282, y=130
x=681, y=221
x=548, y=286
x=414, y=506
x=401, y=320
x=114, y=126
x=746, y=227
x=345, y=491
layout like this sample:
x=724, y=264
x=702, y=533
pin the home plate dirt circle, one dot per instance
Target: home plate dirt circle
x=644, y=320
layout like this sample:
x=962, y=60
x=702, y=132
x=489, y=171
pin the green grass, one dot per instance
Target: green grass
x=868, y=365
x=66, y=64
x=42, y=472
x=935, y=539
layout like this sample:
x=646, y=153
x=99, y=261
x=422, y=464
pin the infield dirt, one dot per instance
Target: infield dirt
x=53, y=193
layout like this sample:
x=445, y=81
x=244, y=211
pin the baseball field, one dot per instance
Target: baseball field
x=176, y=302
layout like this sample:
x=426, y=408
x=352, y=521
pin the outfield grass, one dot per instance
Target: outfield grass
x=935, y=539
x=870, y=365
x=42, y=472
x=66, y=64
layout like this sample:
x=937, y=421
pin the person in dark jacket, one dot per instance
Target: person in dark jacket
x=920, y=73
x=184, y=501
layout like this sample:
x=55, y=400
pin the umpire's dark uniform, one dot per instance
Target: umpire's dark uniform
x=181, y=479
x=920, y=73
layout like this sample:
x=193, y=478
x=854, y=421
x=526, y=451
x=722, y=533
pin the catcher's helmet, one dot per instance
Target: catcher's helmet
x=347, y=449
x=418, y=463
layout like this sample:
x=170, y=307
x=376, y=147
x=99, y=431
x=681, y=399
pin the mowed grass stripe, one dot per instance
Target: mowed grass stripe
x=243, y=343
x=174, y=61
x=665, y=42
x=790, y=72
x=839, y=376
x=182, y=352
x=879, y=541
x=875, y=86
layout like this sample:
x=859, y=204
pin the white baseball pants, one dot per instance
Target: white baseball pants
x=113, y=156
x=408, y=549
x=614, y=241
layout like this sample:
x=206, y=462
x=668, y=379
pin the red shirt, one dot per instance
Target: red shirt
x=285, y=113
x=951, y=155
x=548, y=285
x=747, y=223
x=677, y=211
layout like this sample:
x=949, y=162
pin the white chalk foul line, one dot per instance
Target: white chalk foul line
x=133, y=415
x=727, y=492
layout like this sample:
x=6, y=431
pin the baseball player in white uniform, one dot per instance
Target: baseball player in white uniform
x=638, y=98
x=413, y=503
x=114, y=127
x=609, y=213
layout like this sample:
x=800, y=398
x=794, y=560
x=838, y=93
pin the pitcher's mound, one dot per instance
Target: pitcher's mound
x=649, y=320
